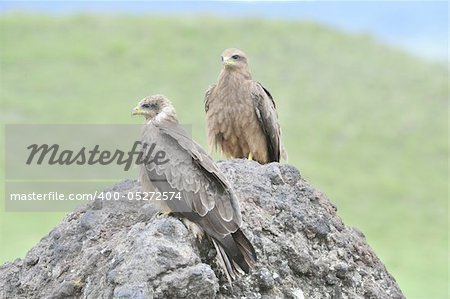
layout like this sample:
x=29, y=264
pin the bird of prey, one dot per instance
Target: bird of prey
x=240, y=113
x=207, y=199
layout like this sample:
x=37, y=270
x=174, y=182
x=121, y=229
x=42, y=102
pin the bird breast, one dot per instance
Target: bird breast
x=232, y=122
x=233, y=108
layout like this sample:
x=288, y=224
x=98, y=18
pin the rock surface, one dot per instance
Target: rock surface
x=120, y=249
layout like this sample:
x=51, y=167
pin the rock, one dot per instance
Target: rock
x=120, y=249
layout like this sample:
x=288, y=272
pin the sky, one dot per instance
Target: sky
x=419, y=27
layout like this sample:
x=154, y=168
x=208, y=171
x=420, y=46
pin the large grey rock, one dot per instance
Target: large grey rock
x=120, y=249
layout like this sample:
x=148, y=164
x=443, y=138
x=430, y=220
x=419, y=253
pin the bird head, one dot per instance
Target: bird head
x=233, y=58
x=155, y=107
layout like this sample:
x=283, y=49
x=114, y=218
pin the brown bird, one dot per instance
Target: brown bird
x=205, y=198
x=240, y=113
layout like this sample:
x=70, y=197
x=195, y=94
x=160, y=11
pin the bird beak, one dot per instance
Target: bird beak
x=137, y=111
x=227, y=61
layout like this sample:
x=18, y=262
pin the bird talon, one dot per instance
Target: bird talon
x=250, y=156
x=195, y=229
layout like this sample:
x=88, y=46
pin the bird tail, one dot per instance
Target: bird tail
x=246, y=249
x=235, y=254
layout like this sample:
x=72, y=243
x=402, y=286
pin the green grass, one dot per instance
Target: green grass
x=364, y=123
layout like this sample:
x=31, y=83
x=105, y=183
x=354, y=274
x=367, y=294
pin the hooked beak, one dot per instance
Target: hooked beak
x=137, y=111
x=227, y=61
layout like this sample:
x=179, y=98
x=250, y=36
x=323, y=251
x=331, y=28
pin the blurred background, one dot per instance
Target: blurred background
x=361, y=90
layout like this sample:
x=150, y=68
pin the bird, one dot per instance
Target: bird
x=241, y=115
x=207, y=199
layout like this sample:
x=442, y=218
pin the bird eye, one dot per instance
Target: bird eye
x=235, y=56
x=221, y=57
x=145, y=106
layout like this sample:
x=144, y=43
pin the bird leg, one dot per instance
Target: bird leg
x=194, y=228
x=250, y=156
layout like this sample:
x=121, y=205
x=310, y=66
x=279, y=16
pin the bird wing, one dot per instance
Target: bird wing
x=207, y=96
x=266, y=113
x=206, y=197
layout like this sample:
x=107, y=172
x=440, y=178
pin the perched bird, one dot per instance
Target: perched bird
x=207, y=200
x=240, y=113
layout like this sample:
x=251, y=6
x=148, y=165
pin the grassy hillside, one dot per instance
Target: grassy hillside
x=364, y=123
